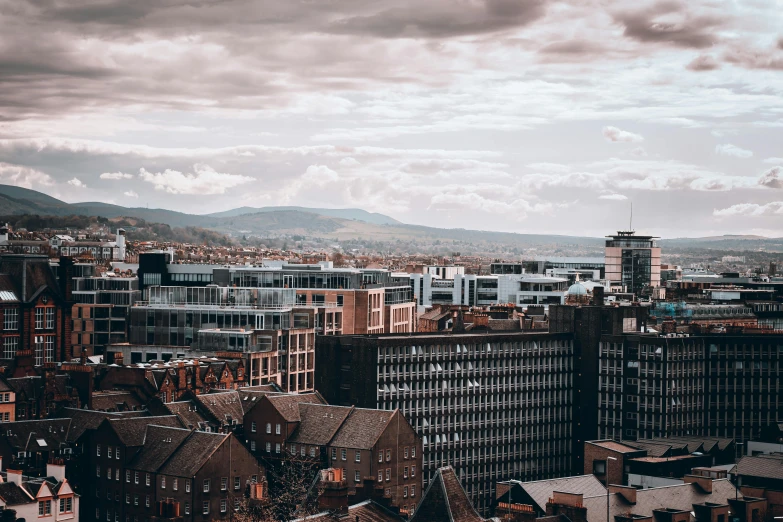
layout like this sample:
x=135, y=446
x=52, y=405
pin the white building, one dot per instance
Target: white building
x=50, y=498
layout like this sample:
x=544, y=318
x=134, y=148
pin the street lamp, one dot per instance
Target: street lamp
x=607, y=486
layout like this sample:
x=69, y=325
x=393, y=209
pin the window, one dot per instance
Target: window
x=252, y=445
x=44, y=508
x=163, y=483
x=413, y=491
x=388, y=474
x=206, y=485
x=147, y=500
x=127, y=475
x=10, y=346
x=147, y=479
x=237, y=483
x=187, y=507
x=174, y=484
x=380, y=475
x=358, y=457
x=39, y=318
x=380, y=456
x=277, y=429
x=117, y=453
x=405, y=472
x=97, y=471
x=108, y=452
x=97, y=513
x=135, y=500
x=135, y=477
x=117, y=474
x=10, y=319
x=277, y=447
x=406, y=452
x=269, y=447
x=334, y=453
x=405, y=492
x=127, y=498
x=222, y=506
x=205, y=508
x=98, y=451
x=388, y=455
x=223, y=483
x=108, y=473
x=269, y=427
x=343, y=454
x=253, y=426
x=49, y=318
x=357, y=477
x=66, y=505
x=187, y=486
x=237, y=505
x=413, y=471
x=599, y=467
x=312, y=451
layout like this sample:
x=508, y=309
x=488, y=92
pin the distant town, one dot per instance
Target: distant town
x=151, y=380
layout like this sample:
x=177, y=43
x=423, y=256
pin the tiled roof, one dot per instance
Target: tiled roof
x=654, y=449
x=362, y=428
x=367, y=511
x=4, y=386
x=188, y=413
x=445, y=501
x=132, y=431
x=541, y=490
x=319, y=423
x=251, y=395
x=680, y=496
x=768, y=466
x=36, y=435
x=31, y=275
x=193, y=453
x=288, y=404
x=223, y=406
x=114, y=400
x=159, y=444
x=31, y=386
x=83, y=420
x=13, y=495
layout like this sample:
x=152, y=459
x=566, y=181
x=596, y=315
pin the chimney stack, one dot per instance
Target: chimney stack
x=334, y=497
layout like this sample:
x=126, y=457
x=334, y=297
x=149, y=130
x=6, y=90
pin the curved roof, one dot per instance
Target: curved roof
x=577, y=289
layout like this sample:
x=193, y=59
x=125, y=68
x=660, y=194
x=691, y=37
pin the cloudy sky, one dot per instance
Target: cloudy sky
x=514, y=115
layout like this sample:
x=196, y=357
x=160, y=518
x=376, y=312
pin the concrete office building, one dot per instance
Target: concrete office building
x=494, y=406
x=632, y=262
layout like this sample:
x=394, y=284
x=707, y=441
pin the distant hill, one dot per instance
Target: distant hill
x=344, y=225
x=343, y=213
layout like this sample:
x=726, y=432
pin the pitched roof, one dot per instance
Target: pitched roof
x=131, y=431
x=36, y=435
x=319, y=423
x=13, y=495
x=222, y=406
x=764, y=466
x=4, y=386
x=30, y=275
x=159, y=444
x=193, y=453
x=31, y=386
x=250, y=396
x=446, y=491
x=679, y=496
x=362, y=428
x=114, y=400
x=188, y=413
x=288, y=404
x=83, y=420
x=540, y=491
x=614, y=446
x=367, y=511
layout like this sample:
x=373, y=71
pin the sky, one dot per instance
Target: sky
x=530, y=116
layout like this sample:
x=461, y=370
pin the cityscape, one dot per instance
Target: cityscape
x=355, y=261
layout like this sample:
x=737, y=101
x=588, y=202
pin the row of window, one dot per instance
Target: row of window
x=45, y=507
x=44, y=317
x=10, y=319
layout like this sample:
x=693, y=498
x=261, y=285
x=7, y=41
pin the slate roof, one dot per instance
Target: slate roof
x=541, y=491
x=36, y=435
x=132, y=431
x=679, y=496
x=83, y=420
x=367, y=511
x=362, y=428
x=446, y=491
x=4, y=386
x=31, y=386
x=614, y=446
x=30, y=275
x=110, y=400
x=223, y=405
x=193, y=453
x=654, y=449
x=187, y=412
x=159, y=444
x=764, y=466
x=7, y=289
x=251, y=395
x=288, y=404
x=319, y=423
x=13, y=495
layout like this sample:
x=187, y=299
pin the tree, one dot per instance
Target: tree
x=7, y=515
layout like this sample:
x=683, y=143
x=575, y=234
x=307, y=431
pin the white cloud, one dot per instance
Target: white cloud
x=116, y=175
x=21, y=176
x=773, y=178
x=774, y=161
x=76, y=182
x=774, y=208
x=131, y=194
x=732, y=150
x=613, y=197
x=614, y=135
x=204, y=180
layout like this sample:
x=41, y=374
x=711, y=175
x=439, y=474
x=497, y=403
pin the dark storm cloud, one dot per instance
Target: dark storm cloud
x=671, y=23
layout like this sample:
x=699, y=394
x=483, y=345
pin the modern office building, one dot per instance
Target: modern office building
x=632, y=262
x=494, y=406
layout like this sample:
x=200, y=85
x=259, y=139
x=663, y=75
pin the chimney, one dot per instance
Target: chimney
x=515, y=512
x=65, y=277
x=334, y=497
x=568, y=504
x=182, y=378
x=15, y=476
x=83, y=358
x=598, y=296
x=56, y=468
x=118, y=359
